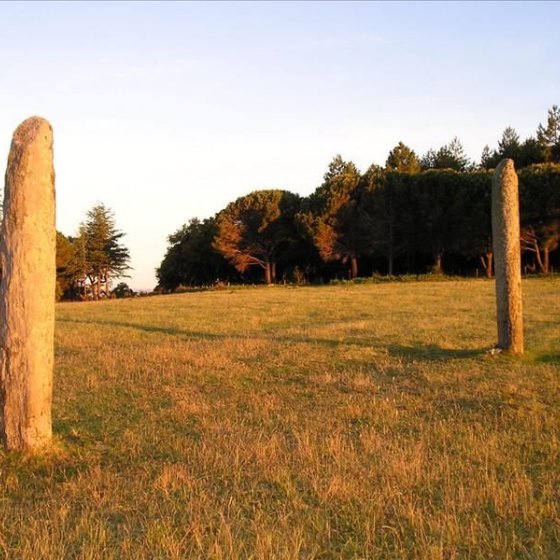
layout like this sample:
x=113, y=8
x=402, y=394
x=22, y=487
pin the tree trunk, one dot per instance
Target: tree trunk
x=487, y=261
x=437, y=262
x=546, y=261
x=353, y=267
x=267, y=273
x=539, y=258
x=27, y=290
x=391, y=251
x=273, y=272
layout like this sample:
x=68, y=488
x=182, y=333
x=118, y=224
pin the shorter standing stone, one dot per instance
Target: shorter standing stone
x=27, y=290
x=507, y=257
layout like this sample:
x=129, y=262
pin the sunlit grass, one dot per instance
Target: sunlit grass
x=335, y=422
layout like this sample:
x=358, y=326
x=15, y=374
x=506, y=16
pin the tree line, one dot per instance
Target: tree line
x=87, y=263
x=413, y=215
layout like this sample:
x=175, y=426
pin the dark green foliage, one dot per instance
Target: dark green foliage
x=450, y=156
x=335, y=217
x=87, y=263
x=439, y=197
x=103, y=246
x=486, y=158
x=509, y=145
x=123, y=290
x=64, y=270
x=539, y=191
x=391, y=222
x=549, y=136
x=525, y=153
x=530, y=153
x=540, y=214
x=191, y=260
x=474, y=228
x=386, y=205
x=545, y=148
x=101, y=252
x=427, y=217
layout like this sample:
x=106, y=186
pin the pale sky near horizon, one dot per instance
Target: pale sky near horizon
x=165, y=111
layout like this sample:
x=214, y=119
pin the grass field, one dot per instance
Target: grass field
x=359, y=421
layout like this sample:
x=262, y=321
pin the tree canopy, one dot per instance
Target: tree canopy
x=450, y=156
x=409, y=216
x=402, y=159
x=256, y=229
x=191, y=260
x=334, y=217
x=549, y=136
x=88, y=262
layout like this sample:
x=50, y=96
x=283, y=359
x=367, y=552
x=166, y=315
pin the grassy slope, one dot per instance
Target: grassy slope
x=335, y=422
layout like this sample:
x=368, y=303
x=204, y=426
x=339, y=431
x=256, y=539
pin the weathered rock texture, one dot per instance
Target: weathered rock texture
x=27, y=290
x=507, y=257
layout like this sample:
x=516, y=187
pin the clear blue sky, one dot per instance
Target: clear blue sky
x=168, y=111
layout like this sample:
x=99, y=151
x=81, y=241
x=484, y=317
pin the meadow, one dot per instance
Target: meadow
x=349, y=421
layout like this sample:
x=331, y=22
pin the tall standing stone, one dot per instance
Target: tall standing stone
x=507, y=257
x=27, y=290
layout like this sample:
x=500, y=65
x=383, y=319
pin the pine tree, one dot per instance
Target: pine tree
x=549, y=136
x=450, y=156
x=256, y=229
x=486, y=161
x=99, y=255
x=509, y=145
x=335, y=217
x=401, y=158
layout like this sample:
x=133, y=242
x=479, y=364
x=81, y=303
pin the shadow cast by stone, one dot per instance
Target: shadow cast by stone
x=173, y=331
x=551, y=358
x=433, y=352
x=197, y=335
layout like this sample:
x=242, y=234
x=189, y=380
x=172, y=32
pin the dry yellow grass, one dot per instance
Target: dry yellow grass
x=334, y=422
